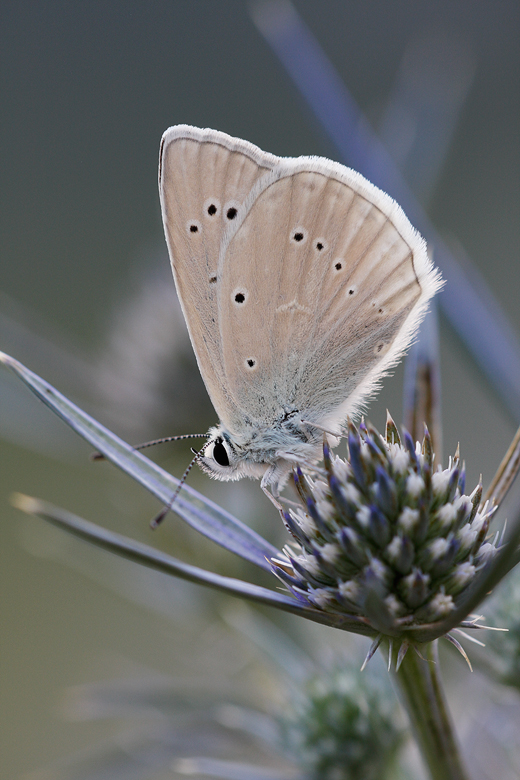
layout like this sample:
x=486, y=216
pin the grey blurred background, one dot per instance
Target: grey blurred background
x=87, y=300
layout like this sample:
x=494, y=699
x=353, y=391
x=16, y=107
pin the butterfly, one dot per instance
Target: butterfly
x=301, y=284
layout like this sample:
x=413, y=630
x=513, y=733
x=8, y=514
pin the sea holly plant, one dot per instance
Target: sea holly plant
x=385, y=544
x=387, y=539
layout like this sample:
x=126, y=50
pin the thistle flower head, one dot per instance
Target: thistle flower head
x=342, y=725
x=385, y=537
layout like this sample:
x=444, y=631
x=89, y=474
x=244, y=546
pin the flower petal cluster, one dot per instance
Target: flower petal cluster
x=386, y=537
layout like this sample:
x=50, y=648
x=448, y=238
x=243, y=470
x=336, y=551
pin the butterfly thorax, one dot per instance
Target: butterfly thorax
x=268, y=450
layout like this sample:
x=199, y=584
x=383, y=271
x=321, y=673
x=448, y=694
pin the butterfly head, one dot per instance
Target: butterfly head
x=223, y=459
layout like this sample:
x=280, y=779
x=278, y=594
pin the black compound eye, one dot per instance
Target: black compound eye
x=220, y=454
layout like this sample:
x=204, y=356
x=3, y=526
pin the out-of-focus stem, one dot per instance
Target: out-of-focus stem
x=506, y=473
x=420, y=689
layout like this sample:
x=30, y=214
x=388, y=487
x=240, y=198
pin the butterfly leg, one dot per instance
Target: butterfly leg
x=270, y=480
x=273, y=499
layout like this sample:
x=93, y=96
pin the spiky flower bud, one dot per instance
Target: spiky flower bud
x=343, y=725
x=385, y=537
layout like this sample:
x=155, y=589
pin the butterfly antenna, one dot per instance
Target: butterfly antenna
x=162, y=514
x=164, y=440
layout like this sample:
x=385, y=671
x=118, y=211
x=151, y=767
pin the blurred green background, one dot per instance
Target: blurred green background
x=87, y=301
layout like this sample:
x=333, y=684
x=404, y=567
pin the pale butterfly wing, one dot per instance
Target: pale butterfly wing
x=321, y=285
x=204, y=178
x=301, y=284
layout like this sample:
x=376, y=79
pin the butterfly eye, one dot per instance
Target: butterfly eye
x=220, y=453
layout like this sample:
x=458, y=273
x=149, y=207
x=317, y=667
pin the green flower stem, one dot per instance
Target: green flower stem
x=420, y=688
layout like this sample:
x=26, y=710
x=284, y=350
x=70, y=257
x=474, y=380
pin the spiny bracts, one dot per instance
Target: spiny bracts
x=383, y=536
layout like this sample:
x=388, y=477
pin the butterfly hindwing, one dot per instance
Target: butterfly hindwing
x=320, y=284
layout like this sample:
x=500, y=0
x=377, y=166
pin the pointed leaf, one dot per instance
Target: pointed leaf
x=199, y=512
x=155, y=559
